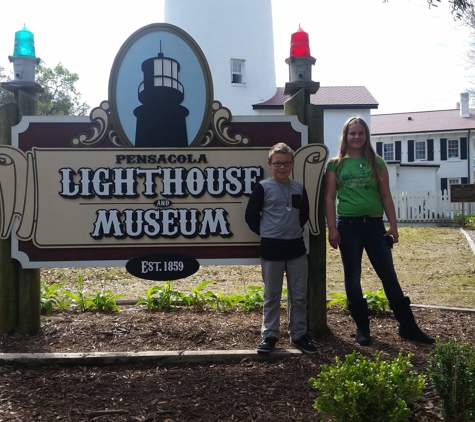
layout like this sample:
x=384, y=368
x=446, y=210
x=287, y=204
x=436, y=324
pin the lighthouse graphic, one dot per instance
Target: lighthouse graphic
x=161, y=120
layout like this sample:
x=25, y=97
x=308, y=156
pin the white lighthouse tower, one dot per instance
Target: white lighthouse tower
x=236, y=37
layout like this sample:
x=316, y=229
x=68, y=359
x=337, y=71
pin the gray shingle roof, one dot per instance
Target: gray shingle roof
x=328, y=97
x=421, y=121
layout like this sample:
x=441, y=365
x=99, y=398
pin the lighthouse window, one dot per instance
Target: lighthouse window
x=237, y=71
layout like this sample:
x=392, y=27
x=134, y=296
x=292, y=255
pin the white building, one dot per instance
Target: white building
x=427, y=150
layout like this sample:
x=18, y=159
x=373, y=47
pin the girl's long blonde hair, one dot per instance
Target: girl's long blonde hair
x=368, y=151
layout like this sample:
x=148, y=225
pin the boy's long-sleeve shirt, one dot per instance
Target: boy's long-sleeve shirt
x=277, y=212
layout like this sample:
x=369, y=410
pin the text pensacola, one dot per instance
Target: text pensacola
x=166, y=182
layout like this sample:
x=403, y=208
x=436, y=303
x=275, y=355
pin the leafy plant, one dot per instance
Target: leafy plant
x=361, y=390
x=104, y=302
x=377, y=302
x=222, y=302
x=80, y=297
x=253, y=299
x=340, y=299
x=159, y=298
x=50, y=297
x=452, y=373
x=197, y=297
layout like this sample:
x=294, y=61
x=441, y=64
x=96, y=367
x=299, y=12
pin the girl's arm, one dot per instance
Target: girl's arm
x=330, y=199
x=388, y=204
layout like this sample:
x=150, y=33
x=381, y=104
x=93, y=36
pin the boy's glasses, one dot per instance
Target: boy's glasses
x=278, y=164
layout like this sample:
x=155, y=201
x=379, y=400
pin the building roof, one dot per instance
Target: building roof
x=341, y=97
x=421, y=121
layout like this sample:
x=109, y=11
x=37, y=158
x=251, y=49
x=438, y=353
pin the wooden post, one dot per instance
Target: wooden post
x=8, y=267
x=312, y=116
x=29, y=285
x=19, y=289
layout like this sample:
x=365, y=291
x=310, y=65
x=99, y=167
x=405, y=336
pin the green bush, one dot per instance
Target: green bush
x=361, y=390
x=469, y=220
x=452, y=373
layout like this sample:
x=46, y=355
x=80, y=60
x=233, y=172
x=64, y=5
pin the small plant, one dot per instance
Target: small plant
x=197, y=297
x=361, y=390
x=340, y=299
x=452, y=373
x=160, y=298
x=377, y=302
x=80, y=297
x=104, y=302
x=253, y=299
x=222, y=302
x=50, y=297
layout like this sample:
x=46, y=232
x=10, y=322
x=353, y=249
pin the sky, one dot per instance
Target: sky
x=410, y=57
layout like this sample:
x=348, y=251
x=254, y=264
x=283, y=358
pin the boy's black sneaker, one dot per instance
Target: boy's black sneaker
x=304, y=344
x=266, y=345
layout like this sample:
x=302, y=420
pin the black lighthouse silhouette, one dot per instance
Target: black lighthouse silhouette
x=161, y=120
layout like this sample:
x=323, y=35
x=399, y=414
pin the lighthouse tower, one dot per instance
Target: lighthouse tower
x=236, y=37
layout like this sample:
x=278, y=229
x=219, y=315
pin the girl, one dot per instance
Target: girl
x=360, y=180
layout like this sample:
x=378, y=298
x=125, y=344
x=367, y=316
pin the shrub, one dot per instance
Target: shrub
x=468, y=220
x=361, y=390
x=452, y=373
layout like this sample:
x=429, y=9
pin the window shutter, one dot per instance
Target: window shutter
x=398, y=150
x=379, y=148
x=464, y=179
x=410, y=151
x=443, y=149
x=443, y=183
x=430, y=150
x=463, y=148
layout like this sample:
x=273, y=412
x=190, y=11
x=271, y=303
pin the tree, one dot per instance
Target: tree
x=460, y=8
x=5, y=96
x=60, y=97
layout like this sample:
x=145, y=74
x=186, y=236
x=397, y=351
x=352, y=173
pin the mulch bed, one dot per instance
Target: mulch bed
x=244, y=391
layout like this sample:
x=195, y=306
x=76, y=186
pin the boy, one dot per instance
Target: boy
x=277, y=211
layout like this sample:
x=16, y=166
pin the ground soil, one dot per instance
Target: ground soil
x=243, y=391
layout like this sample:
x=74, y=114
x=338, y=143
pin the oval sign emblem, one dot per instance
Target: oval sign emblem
x=162, y=266
x=160, y=89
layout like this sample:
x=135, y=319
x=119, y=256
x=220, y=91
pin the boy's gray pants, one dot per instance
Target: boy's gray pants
x=273, y=276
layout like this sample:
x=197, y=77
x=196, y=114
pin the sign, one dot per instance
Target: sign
x=161, y=167
x=464, y=192
x=162, y=266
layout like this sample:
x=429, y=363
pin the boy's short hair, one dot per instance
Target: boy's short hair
x=282, y=149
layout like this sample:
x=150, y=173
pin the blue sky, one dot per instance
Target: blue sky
x=410, y=57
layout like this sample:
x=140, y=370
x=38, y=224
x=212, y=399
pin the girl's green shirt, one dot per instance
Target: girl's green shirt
x=357, y=191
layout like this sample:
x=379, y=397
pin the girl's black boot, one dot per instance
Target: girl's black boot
x=408, y=328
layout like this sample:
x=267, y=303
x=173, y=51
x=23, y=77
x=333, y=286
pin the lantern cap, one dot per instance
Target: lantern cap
x=24, y=43
x=299, y=44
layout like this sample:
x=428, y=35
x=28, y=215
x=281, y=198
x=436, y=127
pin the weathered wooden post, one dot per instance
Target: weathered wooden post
x=8, y=267
x=19, y=288
x=300, y=88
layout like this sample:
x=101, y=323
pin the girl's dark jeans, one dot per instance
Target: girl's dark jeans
x=356, y=234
